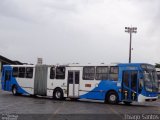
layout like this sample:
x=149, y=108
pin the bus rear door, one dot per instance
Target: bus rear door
x=7, y=80
x=130, y=85
x=73, y=84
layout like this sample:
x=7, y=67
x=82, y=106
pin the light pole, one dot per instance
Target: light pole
x=130, y=30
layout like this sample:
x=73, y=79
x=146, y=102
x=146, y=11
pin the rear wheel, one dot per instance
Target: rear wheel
x=112, y=98
x=58, y=94
x=14, y=90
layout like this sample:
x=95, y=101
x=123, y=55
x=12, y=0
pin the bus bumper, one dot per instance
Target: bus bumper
x=142, y=98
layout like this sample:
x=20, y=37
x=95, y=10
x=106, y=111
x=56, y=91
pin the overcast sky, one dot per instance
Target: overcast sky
x=79, y=31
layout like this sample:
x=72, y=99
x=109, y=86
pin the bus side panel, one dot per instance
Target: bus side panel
x=52, y=84
x=88, y=89
x=20, y=88
x=27, y=84
x=12, y=82
x=100, y=91
x=56, y=83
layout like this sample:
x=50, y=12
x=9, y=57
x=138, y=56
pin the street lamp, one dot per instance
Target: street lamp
x=130, y=30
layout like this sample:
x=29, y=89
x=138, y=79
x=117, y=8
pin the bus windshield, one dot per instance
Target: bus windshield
x=150, y=78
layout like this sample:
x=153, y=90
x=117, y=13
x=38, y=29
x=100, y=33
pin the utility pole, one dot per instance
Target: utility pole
x=130, y=30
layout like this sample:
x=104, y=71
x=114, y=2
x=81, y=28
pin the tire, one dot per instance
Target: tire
x=112, y=98
x=14, y=90
x=127, y=103
x=58, y=94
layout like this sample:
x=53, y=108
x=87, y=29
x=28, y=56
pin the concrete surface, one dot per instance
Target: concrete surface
x=26, y=107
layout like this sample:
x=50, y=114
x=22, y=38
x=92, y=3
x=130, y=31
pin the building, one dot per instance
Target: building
x=4, y=60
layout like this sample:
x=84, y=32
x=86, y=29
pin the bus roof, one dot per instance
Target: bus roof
x=19, y=65
x=80, y=65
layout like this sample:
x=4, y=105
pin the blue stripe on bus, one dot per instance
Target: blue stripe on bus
x=20, y=89
x=148, y=94
x=99, y=92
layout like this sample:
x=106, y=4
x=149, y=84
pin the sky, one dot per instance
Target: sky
x=79, y=31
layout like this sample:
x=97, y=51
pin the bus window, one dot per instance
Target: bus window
x=88, y=73
x=158, y=75
x=134, y=80
x=113, y=75
x=3, y=73
x=70, y=77
x=76, y=77
x=60, y=73
x=21, y=72
x=52, y=72
x=29, y=72
x=15, y=72
x=102, y=73
x=126, y=78
x=7, y=75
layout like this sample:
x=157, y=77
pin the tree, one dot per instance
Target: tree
x=157, y=65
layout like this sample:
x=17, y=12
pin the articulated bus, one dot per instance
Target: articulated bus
x=110, y=83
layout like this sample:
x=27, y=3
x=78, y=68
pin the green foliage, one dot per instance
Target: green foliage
x=157, y=65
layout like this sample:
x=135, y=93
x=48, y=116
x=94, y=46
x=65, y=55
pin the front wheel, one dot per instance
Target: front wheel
x=112, y=98
x=58, y=94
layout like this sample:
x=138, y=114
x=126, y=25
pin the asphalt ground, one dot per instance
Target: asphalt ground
x=40, y=108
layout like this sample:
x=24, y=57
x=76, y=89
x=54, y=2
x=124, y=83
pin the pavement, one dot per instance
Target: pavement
x=26, y=107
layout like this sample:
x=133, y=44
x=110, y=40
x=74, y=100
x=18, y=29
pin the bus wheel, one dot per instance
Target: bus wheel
x=58, y=94
x=14, y=90
x=127, y=103
x=112, y=98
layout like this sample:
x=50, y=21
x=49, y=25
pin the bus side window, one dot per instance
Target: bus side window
x=60, y=73
x=134, y=80
x=158, y=75
x=15, y=72
x=52, y=72
x=29, y=72
x=126, y=79
x=113, y=75
x=7, y=75
x=21, y=72
x=89, y=73
x=3, y=73
x=102, y=73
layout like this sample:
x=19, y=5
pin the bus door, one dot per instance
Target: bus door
x=7, y=80
x=130, y=85
x=73, y=84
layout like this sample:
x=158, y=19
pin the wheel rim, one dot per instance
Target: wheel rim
x=112, y=98
x=14, y=91
x=58, y=94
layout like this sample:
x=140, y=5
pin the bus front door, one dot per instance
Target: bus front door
x=129, y=85
x=73, y=84
x=7, y=80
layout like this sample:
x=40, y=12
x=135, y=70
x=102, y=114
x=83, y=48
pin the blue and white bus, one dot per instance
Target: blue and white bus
x=111, y=83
